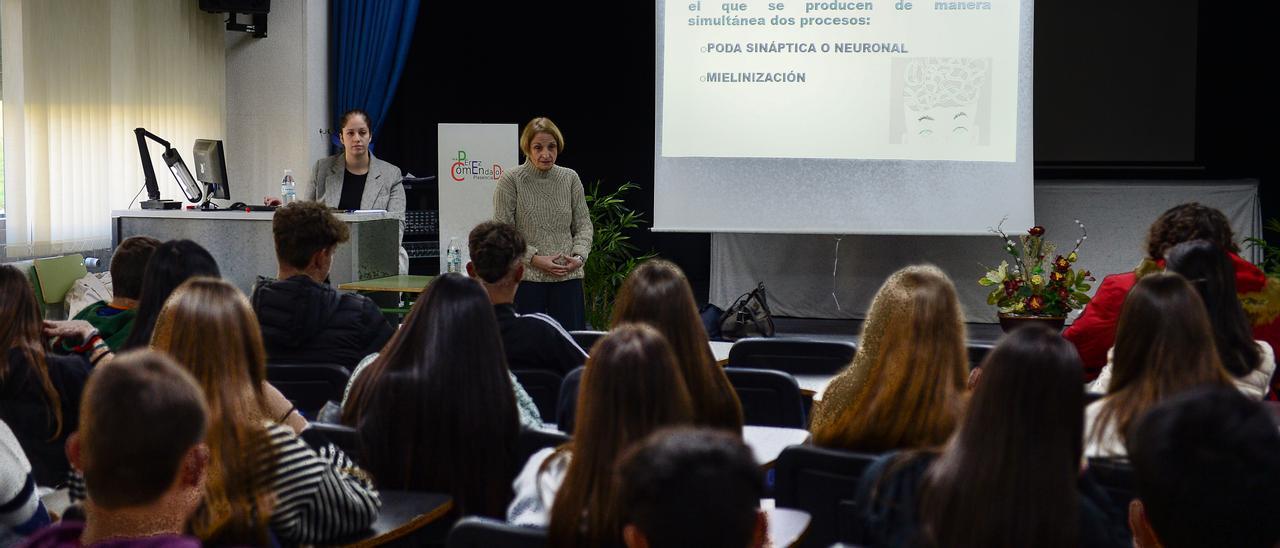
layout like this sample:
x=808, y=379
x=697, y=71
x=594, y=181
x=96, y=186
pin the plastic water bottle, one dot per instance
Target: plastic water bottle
x=453, y=257
x=288, y=191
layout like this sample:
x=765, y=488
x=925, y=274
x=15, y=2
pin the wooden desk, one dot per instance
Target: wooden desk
x=402, y=513
x=786, y=525
x=767, y=442
x=396, y=284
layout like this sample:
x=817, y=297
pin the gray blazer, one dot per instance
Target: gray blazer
x=383, y=189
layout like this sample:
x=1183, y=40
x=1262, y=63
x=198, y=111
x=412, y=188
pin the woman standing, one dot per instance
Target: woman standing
x=547, y=203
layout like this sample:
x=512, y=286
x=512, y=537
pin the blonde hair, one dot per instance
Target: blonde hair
x=909, y=373
x=538, y=125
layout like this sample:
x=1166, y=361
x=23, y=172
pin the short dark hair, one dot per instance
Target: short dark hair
x=1189, y=221
x=1207, y=469
x=346, y=117
x=303, y=228
x=140, y=416
x=495, y=247
x=128, y=263
x=690, y=487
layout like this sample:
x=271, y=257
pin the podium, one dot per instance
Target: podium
x=244, y=247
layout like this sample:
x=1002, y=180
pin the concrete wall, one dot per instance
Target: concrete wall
x=277, y=99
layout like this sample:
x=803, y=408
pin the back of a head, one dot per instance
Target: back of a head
x=303, y=228
x=495, y=248
x=1207, y=267
x=171, y=264
x=129, y=265
x=911, y=356
x=1207, y=470
x=19, y=315
x=658, y=294
x=140, y=416
x=686, y=487
x=1008, y=478
x=1189, y=221
x=441, y=382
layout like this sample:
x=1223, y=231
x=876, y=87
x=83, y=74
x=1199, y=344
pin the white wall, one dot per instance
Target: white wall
x=277, y=99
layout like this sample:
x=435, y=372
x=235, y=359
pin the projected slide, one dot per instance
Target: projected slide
x=858, y=80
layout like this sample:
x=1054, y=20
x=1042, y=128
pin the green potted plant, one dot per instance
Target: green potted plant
x=1030, y=289
x=612, y=256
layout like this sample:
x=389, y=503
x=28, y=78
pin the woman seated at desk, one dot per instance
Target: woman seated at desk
x=355, y=179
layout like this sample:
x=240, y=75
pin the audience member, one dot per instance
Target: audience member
x=1095, y=330
x=304, y=320
x=1164, y=346
x=114, y=320
x=264, y=475
x=140, y=448
x=21, y=511
x=1010, y=476
x=685, y=487
x=905, y=387
x=657, y=293
x=170, y=264
x=1207, y=469
x=531, y=341
x=39, y=391
x=436, y=410
x=631, y=387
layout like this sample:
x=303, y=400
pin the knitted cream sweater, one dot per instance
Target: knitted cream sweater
x=550, y=209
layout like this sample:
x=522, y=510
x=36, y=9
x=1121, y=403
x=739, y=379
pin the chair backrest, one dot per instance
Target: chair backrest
x=345, y=437
x=586, y=339
x=532, y=440
x=309, y=386
x=821, y=482
x=543, y=386
x=568, y=400
x=795, y=356
x=978, y=352
x=769, y=397
x=54, y=276
x=1116, y=478
x=478, y=532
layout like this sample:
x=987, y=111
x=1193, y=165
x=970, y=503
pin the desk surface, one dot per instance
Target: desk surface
x=404, y=283
x=786, y=525
x=767, y=442
x=234, y=214
x=403, y=512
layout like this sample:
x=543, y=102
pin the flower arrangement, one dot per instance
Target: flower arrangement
x=1030, y=287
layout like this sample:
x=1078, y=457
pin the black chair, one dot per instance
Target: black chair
x=544, y=387
x=586, y=339
x=478, y=532
x=795, y=356
x=978, y=352
x=821, y=482
x=309, y=386
x=533, y=440
x=1116, y=478
x=345, y=437
x=769, y=398
x=568, y=401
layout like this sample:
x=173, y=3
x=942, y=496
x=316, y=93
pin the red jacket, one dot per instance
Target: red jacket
x=1094, y=332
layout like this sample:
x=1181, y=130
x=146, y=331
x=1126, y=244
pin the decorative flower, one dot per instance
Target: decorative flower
x=1036, y=230
x=1057, y=276
x=1035, y=303
x=1037, y=280
x=1072, y=257
x=1061, y=264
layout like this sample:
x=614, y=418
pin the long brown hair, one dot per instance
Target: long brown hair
x=20, y=328
x=630, y=388
x=1164, y=345
x=909, y=369
x=209, y=328
x=657, y=293
x=1008, y=476
x=436, y=410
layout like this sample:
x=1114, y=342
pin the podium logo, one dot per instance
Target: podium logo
x=464, y=169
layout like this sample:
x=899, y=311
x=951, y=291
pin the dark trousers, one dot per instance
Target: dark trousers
x=560, y=300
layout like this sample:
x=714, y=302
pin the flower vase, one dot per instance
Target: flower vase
x=1009, y=322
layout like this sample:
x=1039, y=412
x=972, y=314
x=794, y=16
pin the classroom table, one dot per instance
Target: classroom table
x=402, y=513
x=786, y=525
x=767, y=442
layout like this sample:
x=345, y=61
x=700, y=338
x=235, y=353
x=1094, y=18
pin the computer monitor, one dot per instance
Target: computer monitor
x=211, y=168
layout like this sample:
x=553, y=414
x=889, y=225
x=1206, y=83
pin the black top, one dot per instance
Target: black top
x=537, y=341
x=304, y=322
x=352, y=190
x=24, y=409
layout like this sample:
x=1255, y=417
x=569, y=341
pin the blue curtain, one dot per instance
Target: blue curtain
x=369, y=41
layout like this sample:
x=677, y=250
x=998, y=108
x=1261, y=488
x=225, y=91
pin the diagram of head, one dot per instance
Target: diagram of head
x=940, y=97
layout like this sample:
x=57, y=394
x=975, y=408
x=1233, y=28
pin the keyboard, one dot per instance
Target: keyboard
x=424, y=221
x=423, y=250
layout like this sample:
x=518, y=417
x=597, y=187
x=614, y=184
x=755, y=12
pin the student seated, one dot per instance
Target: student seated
x=141, y=450
x=39, y=391
x=114, y=320
x=531, y=341
x=1164, y=346
x=686, y=487
x=1010, y=476
x=21, y=511
x=905, y=387
x=304, y=320
x=1095, y=330
x=437, y=410
x=172, y=263
x=658, y=294
x=631, y=387
x=1206, y=466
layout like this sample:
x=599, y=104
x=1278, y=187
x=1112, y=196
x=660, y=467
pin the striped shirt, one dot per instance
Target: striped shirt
x=550, y=209
x=21, y=511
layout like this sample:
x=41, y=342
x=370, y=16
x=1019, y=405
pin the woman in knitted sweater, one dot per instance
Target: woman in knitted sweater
x=547, y=203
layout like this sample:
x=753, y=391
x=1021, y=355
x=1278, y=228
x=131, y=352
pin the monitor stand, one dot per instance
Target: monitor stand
x=207, y=204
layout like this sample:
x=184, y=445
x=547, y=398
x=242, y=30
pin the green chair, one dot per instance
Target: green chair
x=53, y=279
